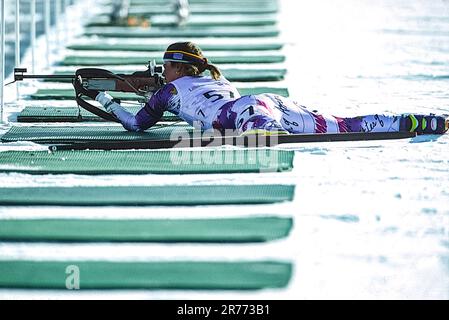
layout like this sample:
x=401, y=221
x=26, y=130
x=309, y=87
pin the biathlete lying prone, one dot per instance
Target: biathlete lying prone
x=211, y=101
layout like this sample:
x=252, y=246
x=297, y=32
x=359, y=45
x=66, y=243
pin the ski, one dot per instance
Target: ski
x=245, y=141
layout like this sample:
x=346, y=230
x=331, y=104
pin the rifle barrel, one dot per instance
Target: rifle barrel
x=48, y=76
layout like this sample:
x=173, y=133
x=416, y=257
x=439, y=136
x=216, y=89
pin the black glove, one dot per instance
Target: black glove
x=80, y=90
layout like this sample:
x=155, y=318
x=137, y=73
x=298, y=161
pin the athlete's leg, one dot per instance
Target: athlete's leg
x=253, y=115
x=296, y=118
x=421, y=124
x=373, y=123
x=275, y=113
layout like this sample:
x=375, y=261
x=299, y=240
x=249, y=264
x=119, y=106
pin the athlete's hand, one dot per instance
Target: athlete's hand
x=80, y=90
x=106, y=101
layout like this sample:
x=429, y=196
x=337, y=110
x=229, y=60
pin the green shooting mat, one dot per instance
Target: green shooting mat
x=206, y=275
x=214, y=9
x=67, y=134
x=207, y=2
x=194, y=21
x=139, y=32
x=128, y=60
x=147, y=162
x=168, y=195
x=234, y=230
x=69, y=94
x=105, y=45
x=73, y=114
x=243, y=75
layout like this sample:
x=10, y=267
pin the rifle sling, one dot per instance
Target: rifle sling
x=95, y=110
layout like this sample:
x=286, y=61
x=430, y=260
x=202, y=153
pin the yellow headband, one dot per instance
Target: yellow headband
x=182, y=56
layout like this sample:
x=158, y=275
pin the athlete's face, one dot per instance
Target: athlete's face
x=171, y=71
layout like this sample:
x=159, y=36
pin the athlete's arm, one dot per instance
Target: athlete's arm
x=147, y=116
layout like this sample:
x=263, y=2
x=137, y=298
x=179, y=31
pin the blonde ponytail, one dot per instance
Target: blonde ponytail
x=214, y=71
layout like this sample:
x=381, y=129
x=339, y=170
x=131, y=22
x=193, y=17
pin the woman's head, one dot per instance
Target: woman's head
x=186, y=59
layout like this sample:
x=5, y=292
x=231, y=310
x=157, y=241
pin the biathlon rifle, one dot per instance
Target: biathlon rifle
x=143, y=83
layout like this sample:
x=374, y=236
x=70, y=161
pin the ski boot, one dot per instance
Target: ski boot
x=424, y=124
